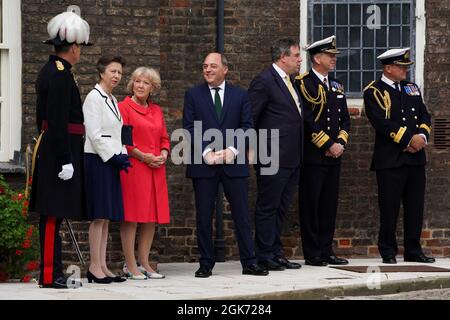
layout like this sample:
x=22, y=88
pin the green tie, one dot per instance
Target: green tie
x=218, y=102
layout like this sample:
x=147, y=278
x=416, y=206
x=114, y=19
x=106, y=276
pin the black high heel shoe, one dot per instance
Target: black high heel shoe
x=117, y=279
x=91, y=278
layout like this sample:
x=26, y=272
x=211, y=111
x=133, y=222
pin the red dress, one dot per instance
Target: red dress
x=145, y=195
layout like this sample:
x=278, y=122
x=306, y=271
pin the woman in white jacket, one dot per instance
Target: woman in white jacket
x=105, y=156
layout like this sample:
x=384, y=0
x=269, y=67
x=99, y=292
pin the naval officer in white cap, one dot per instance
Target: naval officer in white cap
x=327, y=127
x=402, y=124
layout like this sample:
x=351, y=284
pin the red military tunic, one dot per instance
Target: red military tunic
x=145, y=195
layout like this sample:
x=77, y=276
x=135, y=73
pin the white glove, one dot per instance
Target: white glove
x=66, y=172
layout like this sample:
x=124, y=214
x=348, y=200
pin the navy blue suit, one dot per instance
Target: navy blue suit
x=273, y=107
x=236, y=114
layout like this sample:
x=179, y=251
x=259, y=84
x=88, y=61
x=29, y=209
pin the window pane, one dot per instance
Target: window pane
x=355, y=37
x=317, y=34
x=394, y=13
x=342, y=37
x=368, y=77
x=342, y=14
x=355, y=60
x=342, y=77
x=406, y=14
x=328, y=32
x=405, y=37
x=368, y=37
x=355, y=82
x=368, y=59
x=381, y=37
x=342, y=60
x=355, y=14
x=328, y=14
x=383, y=13
x=394, y=37
x=317, y=14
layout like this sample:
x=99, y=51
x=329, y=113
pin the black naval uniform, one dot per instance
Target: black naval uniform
x=60, y=121
x=326, y=121
x=396, y=117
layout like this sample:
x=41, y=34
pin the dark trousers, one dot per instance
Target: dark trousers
x=50, y=241
x=236, y=191
x=405, y=184
x=319, y=192
x=272, y=204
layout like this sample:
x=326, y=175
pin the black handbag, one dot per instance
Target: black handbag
x=127, y=135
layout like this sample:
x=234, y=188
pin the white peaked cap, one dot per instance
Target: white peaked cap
x=69, y=28
x=321, y=42
x=393, y=53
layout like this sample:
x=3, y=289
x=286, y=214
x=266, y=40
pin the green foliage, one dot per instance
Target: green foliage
x=18, y=238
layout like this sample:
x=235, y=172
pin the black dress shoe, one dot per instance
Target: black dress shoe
x=271, y=265
x=287, y=264
x=255, y=270
x=316, y=261
x=61, y=283
x=420, y=258
x=390, y=260
x=335, y=260
x=203, y=272
x=91, y=278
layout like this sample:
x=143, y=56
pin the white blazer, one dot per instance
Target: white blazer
x=103, y=124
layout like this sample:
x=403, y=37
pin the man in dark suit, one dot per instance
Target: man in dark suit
x=220, y=106
x=276, y=107
x=402, y=124
x=327, y=126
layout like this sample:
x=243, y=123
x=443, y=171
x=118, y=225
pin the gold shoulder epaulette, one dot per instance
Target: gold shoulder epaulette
x=59, y=65
x=369, y=85
x=301, y=76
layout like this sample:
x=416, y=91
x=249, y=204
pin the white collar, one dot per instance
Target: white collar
x=279, y=71
x=103, y=92
x=321, y=76
x=221, y=86
x=388, y=81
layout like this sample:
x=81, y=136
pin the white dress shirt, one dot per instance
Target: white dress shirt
x=283, y=76
x=322, y=78
x=222, y=99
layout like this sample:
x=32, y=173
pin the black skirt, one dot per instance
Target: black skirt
x=103, y=189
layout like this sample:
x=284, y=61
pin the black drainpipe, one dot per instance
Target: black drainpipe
x=219, y=242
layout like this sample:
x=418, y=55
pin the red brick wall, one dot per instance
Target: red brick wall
x=175, y=35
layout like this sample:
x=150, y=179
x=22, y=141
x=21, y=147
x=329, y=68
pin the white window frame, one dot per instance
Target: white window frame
x=11, y=80
x=420, y=40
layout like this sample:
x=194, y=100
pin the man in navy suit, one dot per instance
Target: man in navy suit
x=219, y=106
x=276, y=106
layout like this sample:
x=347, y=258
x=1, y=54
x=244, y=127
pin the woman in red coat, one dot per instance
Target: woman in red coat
x=145, y=195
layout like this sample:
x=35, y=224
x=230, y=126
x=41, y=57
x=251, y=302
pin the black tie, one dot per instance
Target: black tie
x=218, y=102
x=397, y=85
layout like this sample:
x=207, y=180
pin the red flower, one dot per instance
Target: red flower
x=26, y=203
x=2, y=190
x=29, y=232
x=26, y=278
x=20, y=196
x=30, y=181
x=32, y=265
x=19, y=252
x=26, y=244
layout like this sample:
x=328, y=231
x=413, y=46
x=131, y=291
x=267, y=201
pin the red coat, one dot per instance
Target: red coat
x=145, y=195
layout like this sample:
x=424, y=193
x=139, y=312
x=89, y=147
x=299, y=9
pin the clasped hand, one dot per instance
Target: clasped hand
x=417, y=143
x=335, y=151
x=155, y=161
x=219, y=157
